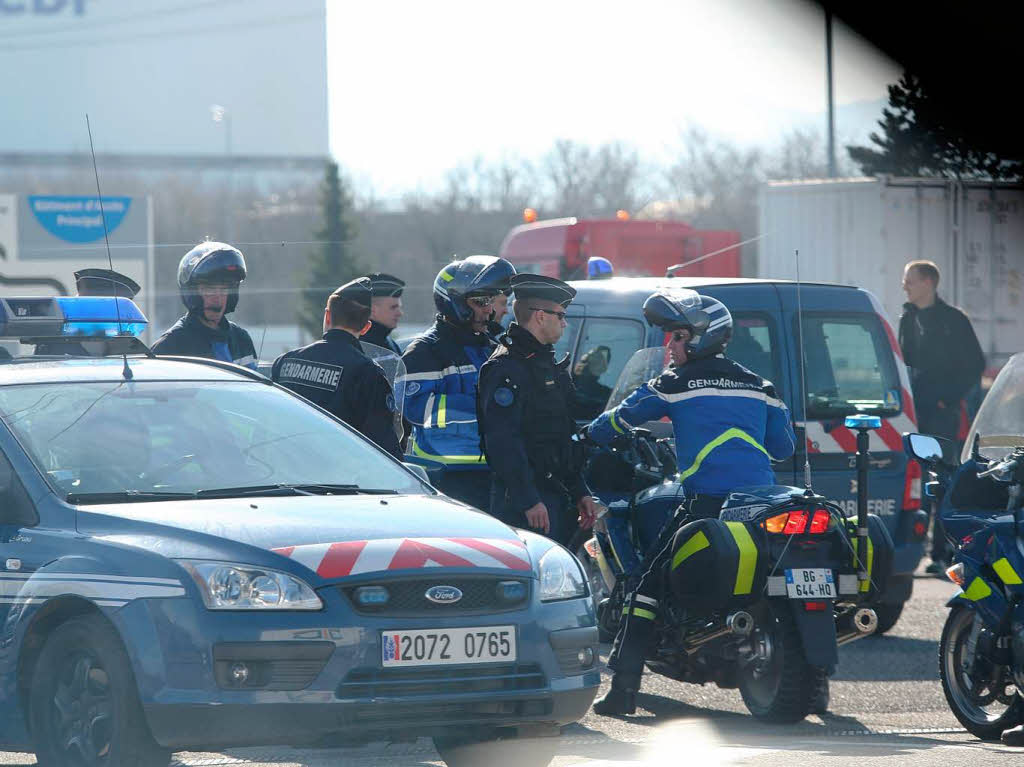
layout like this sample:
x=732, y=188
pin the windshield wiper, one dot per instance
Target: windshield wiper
x=126, y=496
x=312, y=488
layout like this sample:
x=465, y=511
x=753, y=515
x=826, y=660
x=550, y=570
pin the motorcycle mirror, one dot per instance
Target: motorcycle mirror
x=923, y=447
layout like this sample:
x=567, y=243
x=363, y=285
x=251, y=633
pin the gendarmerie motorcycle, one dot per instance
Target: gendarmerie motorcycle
x=981, y=504
x=761, y=597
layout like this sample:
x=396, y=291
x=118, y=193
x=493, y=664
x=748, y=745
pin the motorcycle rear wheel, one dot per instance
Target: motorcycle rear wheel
x=782, y=688
x=964, y=694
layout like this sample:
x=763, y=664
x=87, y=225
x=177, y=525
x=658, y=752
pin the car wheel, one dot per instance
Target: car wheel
x=495, y=751
x=84, y=706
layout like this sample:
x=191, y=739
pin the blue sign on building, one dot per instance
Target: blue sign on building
x=78, y=219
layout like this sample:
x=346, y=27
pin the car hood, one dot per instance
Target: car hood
x=335, y=536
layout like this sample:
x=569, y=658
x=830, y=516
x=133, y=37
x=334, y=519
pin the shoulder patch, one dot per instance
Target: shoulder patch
x=503, y=396
x=411, y=388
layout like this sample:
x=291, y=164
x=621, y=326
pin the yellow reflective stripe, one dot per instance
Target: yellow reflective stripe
x=453, y=459
x=977, y=590
x=694, y=544
x=717, y=442
x=615, y=423
x=441, y=411
x=1006, y=572
x=866, y=585
x=639, y=612
x=748, y=557
x=445, y=276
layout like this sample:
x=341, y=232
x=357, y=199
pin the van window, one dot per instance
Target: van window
x=753, y=345
x=605, y=347
x=849, y=367
x=567, y=342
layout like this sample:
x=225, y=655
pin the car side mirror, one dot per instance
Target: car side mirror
x=418, y=470
x=923, y=447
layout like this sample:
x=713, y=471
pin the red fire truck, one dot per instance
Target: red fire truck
x=561, y=247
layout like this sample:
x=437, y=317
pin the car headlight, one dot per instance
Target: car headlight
x=560, y=576
x=226, y=586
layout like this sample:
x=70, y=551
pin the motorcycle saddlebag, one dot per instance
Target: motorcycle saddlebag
x=879, y=559
x=717, y=565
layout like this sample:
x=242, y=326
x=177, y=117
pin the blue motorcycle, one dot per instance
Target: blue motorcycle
x=981, y=505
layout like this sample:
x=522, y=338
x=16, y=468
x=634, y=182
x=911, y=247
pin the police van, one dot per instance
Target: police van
x=193, y=557
x=853, y=365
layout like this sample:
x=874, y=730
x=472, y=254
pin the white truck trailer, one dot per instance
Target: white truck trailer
x=863, y=231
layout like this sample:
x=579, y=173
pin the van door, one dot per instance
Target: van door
x=852, y=365
x=604, y=347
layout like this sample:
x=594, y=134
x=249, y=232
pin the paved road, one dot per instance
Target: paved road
x=886, y=702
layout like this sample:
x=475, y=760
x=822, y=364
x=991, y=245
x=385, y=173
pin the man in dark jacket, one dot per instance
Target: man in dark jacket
x=208, y=279
x=385, y=312
x=945, y=361
x=335, y=374
x=526, y=422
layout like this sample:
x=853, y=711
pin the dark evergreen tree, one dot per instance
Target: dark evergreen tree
x=922, y=135
x=334, y=261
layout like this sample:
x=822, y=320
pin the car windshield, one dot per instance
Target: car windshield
x=1000, y=421
x=146, y=440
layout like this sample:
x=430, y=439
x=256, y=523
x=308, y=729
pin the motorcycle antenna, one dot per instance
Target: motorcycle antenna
x=126, y=372
x=803, y=375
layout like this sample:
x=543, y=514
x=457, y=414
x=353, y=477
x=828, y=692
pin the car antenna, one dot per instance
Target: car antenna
x=803, y=377
x=127, y=371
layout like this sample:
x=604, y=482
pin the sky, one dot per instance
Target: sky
x=416, y=88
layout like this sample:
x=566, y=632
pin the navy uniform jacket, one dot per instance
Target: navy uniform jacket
x=189, y=337
x=526, y=420
x=336, y=375
x=378, y=335
x=729, y=423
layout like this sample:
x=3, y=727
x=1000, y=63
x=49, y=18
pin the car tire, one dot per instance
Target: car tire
x=887, y=617
x=496, y=751
x=84, y=704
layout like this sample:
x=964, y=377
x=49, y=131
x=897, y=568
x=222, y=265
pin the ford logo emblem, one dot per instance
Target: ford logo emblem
x=443, y=595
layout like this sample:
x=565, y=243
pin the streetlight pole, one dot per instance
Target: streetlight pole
x=221, y=115
x=831, y=101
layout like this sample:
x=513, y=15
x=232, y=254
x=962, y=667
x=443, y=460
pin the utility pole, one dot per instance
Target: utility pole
x=831, y=100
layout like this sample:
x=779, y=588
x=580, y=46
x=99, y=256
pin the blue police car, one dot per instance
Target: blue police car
x=192, y=557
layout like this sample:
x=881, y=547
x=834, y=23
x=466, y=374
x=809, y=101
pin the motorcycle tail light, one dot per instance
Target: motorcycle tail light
x=820, y=521
x=796, y=524
x=591, y=547
x=777, y=523
x=956, y=574
x=815, y=607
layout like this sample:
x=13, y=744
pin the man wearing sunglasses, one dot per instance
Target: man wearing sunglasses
x=442, y=367
x=526, y=400
x=729, y=426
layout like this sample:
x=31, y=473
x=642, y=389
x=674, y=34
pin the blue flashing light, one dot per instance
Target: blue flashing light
x=599, y=268
x=863, y=422
x=66, y=316
x=100, y=317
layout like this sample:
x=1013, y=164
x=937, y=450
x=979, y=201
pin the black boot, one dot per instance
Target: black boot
x=620, y=699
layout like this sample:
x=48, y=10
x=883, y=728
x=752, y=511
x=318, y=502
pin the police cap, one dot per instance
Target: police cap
x=105, y=282
x=526, y=286
x=358, y=291
x=385, y=285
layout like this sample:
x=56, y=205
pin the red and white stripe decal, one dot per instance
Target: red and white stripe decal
x=833, y=437
x=337, y=560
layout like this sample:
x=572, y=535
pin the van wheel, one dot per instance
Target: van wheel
x=84, y=706
x=887, y=617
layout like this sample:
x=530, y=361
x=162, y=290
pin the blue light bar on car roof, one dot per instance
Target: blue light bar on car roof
x=70, y=317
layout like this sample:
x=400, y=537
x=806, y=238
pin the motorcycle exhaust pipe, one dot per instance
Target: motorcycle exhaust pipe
x=856, y=625
x=737, y=624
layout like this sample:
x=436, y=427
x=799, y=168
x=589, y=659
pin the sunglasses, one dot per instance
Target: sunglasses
x=553, y=313
x=481, y=300
x=680, y=336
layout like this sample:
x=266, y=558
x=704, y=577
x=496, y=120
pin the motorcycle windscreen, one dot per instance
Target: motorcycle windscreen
x=643, y=366
x=394, y=371
x=1000, y=420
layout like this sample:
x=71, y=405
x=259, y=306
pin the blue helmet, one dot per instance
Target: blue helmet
x=473, y=276
x=599, y=268
x=210, y=261
x=707, y=319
